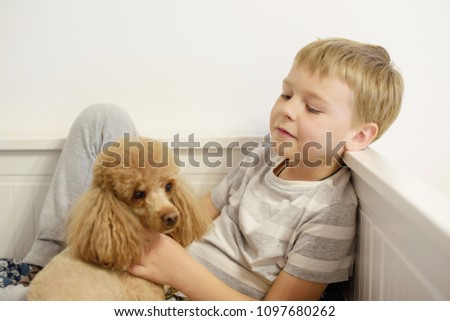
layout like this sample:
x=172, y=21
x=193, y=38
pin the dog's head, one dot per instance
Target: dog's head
x=136, y=188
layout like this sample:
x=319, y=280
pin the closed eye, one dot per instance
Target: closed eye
x=312, y=110
x=285, y=96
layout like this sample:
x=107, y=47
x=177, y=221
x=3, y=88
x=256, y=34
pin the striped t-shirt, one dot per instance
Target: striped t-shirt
x=267, y=225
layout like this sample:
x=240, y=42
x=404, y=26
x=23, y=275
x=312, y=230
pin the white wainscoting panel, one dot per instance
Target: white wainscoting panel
x=25, y=176
x=403, y=234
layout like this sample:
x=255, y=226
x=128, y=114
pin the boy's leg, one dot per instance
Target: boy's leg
x=96, y=125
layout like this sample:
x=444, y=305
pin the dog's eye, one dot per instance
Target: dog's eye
x=138, y=195
x=168, y=187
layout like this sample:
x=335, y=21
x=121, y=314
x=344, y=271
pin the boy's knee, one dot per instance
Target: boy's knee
x=103, y=117
x=103, y=112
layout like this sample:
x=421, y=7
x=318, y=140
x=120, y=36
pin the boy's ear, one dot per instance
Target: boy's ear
x=363, y=137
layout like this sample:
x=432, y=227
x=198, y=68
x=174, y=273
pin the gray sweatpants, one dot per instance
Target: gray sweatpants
x=94, y=126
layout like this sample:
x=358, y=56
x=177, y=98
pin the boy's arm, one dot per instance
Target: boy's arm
x=290, y=288
x=166, y=262
x=207, y=204
x=199, y=284
x=203, y=285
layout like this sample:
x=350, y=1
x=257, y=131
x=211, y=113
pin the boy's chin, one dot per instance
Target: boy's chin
x=284, y=151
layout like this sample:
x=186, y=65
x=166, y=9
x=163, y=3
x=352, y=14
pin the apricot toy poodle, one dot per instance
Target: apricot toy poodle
x=136, y=188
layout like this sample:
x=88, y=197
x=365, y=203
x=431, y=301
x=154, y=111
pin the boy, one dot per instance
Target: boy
x=280, y=233
x=285, y=233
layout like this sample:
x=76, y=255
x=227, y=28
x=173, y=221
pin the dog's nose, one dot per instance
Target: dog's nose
x=170, y=219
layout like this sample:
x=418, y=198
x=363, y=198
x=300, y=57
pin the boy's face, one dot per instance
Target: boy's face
x=309, y=107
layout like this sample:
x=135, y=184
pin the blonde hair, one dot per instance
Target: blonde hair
x=368, y=71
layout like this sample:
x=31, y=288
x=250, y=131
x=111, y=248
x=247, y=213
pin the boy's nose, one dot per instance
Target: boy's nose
x=290, y=110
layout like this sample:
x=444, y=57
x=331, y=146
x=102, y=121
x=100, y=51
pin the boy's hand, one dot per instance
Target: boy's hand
x=161, y=260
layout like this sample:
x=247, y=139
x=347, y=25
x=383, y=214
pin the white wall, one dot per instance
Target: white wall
x=214, y=68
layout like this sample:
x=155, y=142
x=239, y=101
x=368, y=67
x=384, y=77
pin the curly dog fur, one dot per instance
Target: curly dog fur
x=136, y=188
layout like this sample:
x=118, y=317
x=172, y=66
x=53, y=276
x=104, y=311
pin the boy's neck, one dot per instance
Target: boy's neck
x=303, y=173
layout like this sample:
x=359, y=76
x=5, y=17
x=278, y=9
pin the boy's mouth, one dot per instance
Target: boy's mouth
x=283, y=132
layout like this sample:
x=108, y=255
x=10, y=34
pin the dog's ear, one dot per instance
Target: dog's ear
x=194, y=221
x=104, y=232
